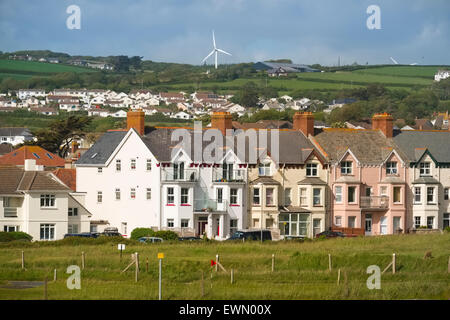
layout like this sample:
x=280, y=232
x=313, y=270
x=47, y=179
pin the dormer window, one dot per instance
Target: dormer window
x=391, y=167
x=425, y=169
x=311, y=170
x=346, y=167
x=264, y=169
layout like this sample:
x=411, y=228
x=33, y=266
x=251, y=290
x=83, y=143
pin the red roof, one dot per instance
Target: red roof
x=68, y=177
x=42, y=157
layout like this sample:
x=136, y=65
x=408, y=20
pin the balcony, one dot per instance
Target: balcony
x=220, y=175
x=10, y=212
x=209, y=205
x=186, y=175
x=374, y=202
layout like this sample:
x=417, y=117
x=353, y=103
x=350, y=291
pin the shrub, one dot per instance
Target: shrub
x=447, y=229
x=12, y=236
x=166, y=235
x=142, y=232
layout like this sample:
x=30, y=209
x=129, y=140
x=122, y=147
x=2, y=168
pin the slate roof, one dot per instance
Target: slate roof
x=14, y=180
x=43, y=157
x=102, y=149
x=414, y=144
x=15, y=131
x=293, y=209
x=265, y=180
x=312, y=180
x=425, y=180
x=370, y=147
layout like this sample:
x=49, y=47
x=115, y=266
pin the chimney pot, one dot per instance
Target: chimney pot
x=383, y=122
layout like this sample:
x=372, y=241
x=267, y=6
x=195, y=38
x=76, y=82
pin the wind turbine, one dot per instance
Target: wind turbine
x=395, y=62
x=215, y=50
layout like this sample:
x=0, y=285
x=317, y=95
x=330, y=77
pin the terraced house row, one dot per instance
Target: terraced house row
x=305, y=180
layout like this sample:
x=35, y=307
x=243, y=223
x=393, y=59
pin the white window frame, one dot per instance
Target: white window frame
x=346, y=167
x=184, y=223
x=184, y=195
x=303, y=197
x=258, y=196
x=234, y=197
x=338, y=221
x=50, y=232
x=433, y=194
x=99, y=170
x=149, y=165
x=338, y=194
x=417, y=225
x=148, y=193
x=312, y=170
x=425, y=169
x=48, y=201
x=355, y=194
x=391, y=167
x=417, y=194
x=70, y=228
x=118, y=165
x=399, y=195
x=170, y=197
x=117, y=194
x=170, y=223
x=264, y=169
x=132, y=164
x=317, y=197
x=99, y=197
x=432, y=222
x=287, y=196
x=72, y=212
x=133, y=193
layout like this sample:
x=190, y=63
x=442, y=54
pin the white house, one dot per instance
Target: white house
x=26, y=93
x=119, y=114
x=134, y=180
x=441, y=75
x=15, y=136
x=181, y=115
x=38, y=203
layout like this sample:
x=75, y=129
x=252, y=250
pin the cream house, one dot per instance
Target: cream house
x=38, y=203
x=290, y=197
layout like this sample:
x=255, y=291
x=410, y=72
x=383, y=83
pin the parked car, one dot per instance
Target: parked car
x=111, y=232
x=150, y=239
x=251, y=235
x=82, y=235
x=189, y=238
x=330, y=234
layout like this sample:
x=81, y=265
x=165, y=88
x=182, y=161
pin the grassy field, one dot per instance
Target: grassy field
x=301, y=269
x=393, y=77
x=23, y=69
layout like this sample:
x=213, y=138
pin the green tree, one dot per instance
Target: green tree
x=248, y=96
x=58, y=136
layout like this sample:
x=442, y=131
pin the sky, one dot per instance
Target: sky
x=305, y=31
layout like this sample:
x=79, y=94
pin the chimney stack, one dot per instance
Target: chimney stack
x=136, y=120
x=304, y=121
x=383, y=122
x=221, y=121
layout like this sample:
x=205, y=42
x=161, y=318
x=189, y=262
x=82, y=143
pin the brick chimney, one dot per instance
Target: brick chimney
x=221, y=121
x=304, y=121
x=136, y=120
x=383, y=122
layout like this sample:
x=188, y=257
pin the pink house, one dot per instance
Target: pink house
x=367, y=177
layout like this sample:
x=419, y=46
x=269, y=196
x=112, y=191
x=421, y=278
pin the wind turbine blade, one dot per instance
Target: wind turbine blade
x=214, y=40
x=220, y=50
x=216, y=58
x=209, y=55
x=393, y=60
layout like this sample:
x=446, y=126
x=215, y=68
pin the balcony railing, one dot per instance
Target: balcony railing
x=210, y=205
x=374, y=202
x=10, y=212
x=179, y=175
x=220, y=175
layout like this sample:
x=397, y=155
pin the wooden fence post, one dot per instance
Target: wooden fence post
x=393, y=263
x=232, y=276
x=329, y=262
x=203, y=284
x=339, y=276
x=136, y=274
x=217, y=261
x=82, y=260
x=448, y=268
x=23, y=260
x=54, y=275
x=273, y=262
x=146, y=265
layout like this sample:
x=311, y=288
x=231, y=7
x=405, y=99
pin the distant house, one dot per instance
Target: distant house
x=43, y=157
x=15, y=136
x=23, y=94
x=53, y=60
x=44, y=111
x=441, y=75
x=181, y=115
x=119, y=114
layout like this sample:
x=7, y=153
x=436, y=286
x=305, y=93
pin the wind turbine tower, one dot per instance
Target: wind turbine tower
x=215, y=51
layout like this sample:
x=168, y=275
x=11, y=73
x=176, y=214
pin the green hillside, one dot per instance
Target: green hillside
x=22, y=69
